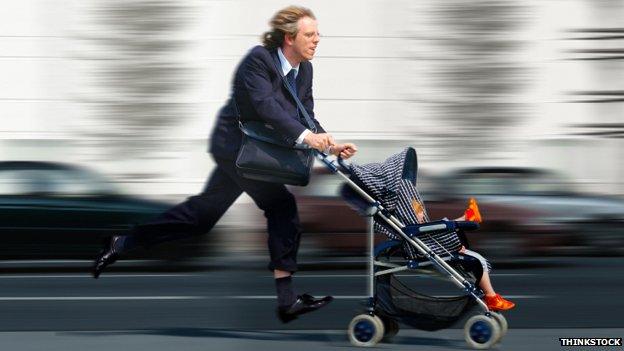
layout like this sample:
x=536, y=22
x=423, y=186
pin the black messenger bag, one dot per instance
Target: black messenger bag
x=265, y=155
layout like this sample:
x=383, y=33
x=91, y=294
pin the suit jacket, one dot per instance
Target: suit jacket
x=260, y=94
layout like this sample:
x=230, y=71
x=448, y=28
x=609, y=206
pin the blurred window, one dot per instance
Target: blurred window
x=511, y=184
x=21, y=182
x=548, y=184
x=77, y=182
x=52, y=181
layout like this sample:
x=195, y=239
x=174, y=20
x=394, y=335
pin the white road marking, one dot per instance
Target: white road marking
x=86, y=275
x=96, y=298
x=7, y=262
x=401, y=275
x=347, y=297
x=174, y=275
x=234, y=297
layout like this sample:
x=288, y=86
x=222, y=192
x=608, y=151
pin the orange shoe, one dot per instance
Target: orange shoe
x=472, y=213
x=498, y=303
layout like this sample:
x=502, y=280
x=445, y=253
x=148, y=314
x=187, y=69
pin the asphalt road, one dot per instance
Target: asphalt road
x=233, y=304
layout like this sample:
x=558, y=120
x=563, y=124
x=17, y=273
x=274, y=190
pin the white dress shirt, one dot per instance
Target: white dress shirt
x=286, y=67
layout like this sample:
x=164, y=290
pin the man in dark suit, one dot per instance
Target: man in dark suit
x=258, y=93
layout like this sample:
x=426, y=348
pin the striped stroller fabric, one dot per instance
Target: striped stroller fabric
x=440, y=243
x=393, y=184
x=382, y=179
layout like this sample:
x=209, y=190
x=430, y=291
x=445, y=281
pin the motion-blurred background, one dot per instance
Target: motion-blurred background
x=105, y=110
x=518, y=103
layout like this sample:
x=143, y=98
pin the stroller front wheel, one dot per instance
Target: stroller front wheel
x=365, y=330
x=481, y=332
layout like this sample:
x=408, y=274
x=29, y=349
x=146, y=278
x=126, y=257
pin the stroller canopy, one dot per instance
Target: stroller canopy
x=383, y=180
x=393, y=184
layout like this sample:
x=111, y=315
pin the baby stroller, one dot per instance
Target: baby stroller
x=384, y=192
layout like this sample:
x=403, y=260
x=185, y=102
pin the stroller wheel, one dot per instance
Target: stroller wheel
x=481, y=332
x=365, y=330
x=502, y=323
x=391, y=328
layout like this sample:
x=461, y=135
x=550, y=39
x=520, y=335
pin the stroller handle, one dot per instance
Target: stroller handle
x=323, y=157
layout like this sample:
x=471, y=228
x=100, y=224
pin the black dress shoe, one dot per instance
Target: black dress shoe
x=305, y=303
x=108, y=255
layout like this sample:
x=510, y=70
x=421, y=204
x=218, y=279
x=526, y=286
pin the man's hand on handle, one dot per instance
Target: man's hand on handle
x=321, y=141
x=324, y=142
x=345, y=150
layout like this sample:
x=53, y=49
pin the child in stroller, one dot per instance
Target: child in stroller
x=472, y=213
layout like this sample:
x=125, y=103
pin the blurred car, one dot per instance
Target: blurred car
x=530, y=211
x=60, y=211
x=526, y=211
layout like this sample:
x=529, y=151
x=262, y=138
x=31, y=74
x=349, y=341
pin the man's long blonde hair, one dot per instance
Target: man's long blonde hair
x=284, y=22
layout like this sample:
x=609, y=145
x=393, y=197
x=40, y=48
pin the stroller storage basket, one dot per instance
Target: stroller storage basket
x=396, y=300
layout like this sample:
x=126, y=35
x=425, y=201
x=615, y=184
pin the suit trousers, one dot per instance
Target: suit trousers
x=198, y=214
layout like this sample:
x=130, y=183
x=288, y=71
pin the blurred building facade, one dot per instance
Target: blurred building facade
x=131, y=88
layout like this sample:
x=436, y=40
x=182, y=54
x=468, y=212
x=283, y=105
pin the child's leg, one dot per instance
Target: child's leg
x=485, y=284
x=492, y=299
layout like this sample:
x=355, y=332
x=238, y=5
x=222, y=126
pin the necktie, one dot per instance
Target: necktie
x=291, y=81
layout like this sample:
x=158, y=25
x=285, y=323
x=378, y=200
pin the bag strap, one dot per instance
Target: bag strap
x=310, y=124
x=308, y=120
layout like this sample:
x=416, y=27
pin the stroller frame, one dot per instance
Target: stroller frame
x=377, y=209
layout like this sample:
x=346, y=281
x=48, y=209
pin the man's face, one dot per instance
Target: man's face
x=307, y=38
